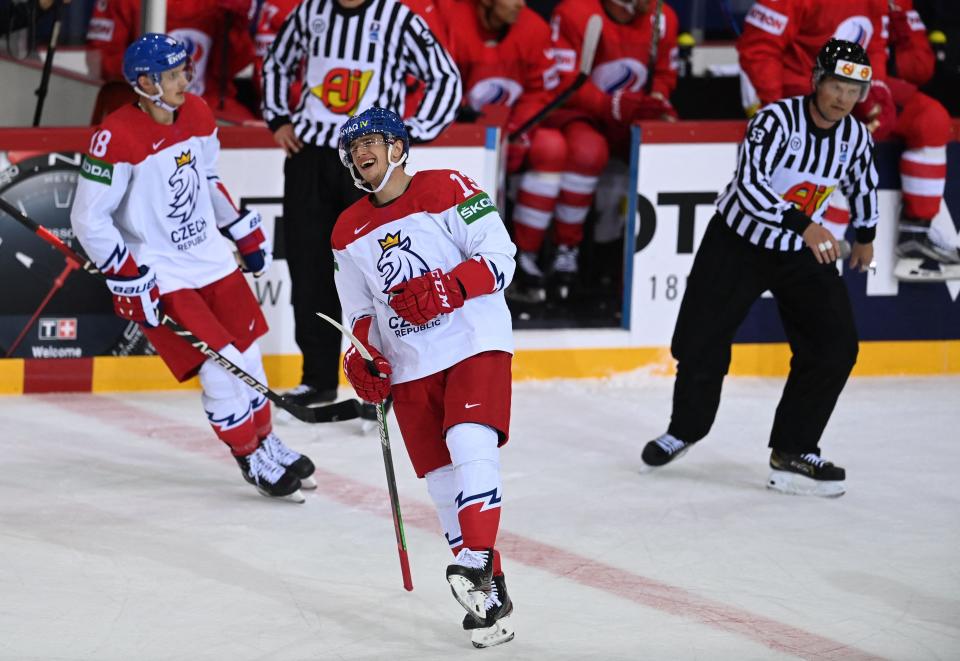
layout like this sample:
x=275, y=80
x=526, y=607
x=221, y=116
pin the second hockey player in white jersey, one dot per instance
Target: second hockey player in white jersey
x=149, y=211
x=421, y=264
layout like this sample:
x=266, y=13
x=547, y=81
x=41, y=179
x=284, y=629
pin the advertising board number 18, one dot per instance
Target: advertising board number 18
x=669, y=287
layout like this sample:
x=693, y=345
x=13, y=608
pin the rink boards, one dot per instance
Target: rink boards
x=676, y=171
x=905, y=328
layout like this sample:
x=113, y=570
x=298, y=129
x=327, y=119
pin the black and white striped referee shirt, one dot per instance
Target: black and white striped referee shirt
x=787, y=168
x=356, y=59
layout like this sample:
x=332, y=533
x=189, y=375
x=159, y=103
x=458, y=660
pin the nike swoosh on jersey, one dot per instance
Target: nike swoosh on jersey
x=471, y=406
x=158, y=143
x=360, y=229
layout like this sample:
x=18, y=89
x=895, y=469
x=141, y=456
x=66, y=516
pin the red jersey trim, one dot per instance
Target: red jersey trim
x=430, y=191
x=134, y=135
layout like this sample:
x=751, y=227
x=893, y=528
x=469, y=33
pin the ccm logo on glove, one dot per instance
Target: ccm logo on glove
x=426, y=297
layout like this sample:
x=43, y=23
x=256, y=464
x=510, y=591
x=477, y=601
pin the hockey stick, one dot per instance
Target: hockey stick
x=48, y=61
x=387, y=458
x=591, y=39
x=345, y=410
x=57, y=284
x=225, y=59
x=654, y=45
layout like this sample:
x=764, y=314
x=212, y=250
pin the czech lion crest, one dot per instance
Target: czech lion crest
x=398, y=263
x=185, y=185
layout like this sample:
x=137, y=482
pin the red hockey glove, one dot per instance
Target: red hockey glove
x=372, y=385
x=899, y=27
x=137, y=297
x=426, y=297
x=878, y=112
x=629, y=107
x=517, y=150
x=251, y=243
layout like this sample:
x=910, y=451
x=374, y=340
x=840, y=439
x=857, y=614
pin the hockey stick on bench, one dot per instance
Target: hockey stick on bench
x=591, y=39
x=387, y=458
x=345, y=410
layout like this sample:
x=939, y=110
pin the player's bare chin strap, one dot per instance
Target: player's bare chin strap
x=362, y=185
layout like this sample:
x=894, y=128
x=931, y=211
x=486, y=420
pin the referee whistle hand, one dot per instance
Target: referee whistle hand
x=287, y=139
x=822, y=243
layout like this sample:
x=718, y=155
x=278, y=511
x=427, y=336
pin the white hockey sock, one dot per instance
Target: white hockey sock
x=476, y=466
x=442, y=487
x=253, y=365
x=227, y=403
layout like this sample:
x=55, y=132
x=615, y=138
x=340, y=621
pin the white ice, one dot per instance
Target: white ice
x=126, y=532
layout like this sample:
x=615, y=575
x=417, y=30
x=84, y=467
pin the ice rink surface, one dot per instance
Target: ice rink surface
x=126, y=532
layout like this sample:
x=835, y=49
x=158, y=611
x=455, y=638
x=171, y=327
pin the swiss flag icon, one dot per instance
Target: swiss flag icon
x=66, y=329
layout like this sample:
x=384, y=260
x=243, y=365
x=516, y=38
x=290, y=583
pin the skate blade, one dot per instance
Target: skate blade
x=499, y=633
x=471, y=599
x=308, y=483
x=911, y=269
x=800, y=485
x=295, y=497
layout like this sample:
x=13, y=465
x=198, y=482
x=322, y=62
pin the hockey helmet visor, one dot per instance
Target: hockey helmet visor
x=372, y=121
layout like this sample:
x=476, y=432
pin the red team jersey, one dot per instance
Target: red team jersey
x=272, y=15
x=199, y=24
x=908, y=35
x=516, y=71
x=623, y=55
x=781, y=39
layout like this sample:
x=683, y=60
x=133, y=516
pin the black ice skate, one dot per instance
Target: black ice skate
x=470, y=578
x=270, y=478
x=923, y=254
x=307, y=395
x=662, y=450
x=495, y=628
x=566, y=268
x=529, y=284
x=300, y=464
x=805, y=475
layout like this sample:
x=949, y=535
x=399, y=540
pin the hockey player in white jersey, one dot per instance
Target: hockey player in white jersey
x=421, y=265
x=149, y=211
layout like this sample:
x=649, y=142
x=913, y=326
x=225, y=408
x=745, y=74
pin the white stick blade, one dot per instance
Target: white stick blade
x=350, y=336
x=591, y=39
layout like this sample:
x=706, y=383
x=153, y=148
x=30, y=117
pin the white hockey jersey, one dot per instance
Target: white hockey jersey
x=152, y=190
x=440, y=221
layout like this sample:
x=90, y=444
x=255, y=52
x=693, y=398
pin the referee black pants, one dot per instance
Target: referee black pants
x=729, y=274
x=316, y=189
